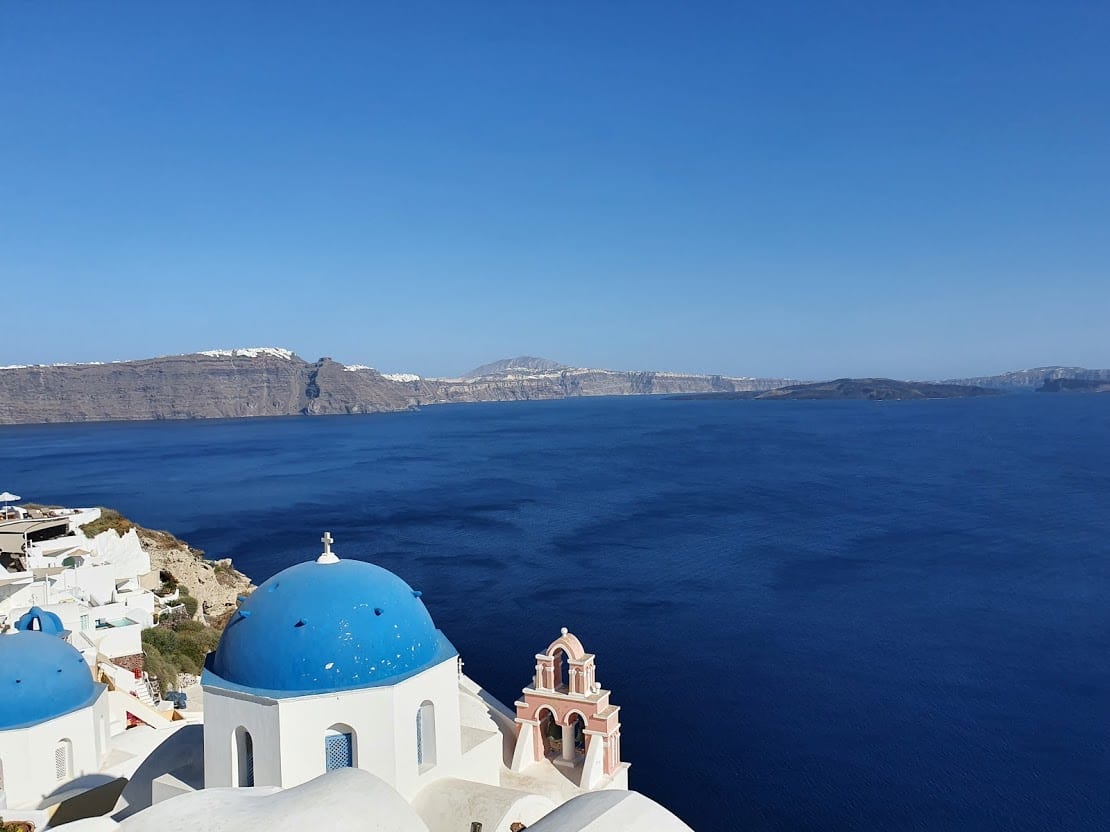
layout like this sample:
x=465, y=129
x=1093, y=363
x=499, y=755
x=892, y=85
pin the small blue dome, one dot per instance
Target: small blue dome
x=319, y=627
x=41, y=677
x=41, y=620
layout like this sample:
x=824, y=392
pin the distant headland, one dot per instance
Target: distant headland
x=271, y=381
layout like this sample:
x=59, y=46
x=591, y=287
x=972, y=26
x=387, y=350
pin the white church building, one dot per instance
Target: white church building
x=330, y=664
x=334, y=702
x=54, y=718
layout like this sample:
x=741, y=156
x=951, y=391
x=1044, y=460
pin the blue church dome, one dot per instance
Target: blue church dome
x=325, y=626
x=41, y=620
x=41, y=677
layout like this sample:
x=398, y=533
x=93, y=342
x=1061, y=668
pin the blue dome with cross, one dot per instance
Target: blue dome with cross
x=324, y=626
x=41, y=677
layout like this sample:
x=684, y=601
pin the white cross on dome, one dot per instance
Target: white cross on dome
x=328, y=555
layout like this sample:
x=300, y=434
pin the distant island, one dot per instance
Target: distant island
x=1075, y=385
x=871, y=389
x=271, y=381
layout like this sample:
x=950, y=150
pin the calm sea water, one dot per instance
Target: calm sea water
x=815, y=616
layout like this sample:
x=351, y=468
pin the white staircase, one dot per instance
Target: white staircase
x=148, y=691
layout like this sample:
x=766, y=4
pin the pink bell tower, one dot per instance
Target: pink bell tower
x=565, y=716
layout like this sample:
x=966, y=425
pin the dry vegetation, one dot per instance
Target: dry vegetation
x=109, y=519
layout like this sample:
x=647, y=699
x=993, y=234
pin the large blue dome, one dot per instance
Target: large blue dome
x=318, y=627
x=41, y=677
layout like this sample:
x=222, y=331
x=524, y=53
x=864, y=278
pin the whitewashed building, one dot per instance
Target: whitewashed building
x=92, y=584
x=54, y=719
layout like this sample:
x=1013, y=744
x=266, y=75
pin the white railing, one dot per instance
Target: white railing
x=166, y=600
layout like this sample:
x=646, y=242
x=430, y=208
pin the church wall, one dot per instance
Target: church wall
x=383, y=721
x=223, y=713
x=15, y=755
x=288, y=734
x=305, y=722
x=440, y=685
x=28, y=754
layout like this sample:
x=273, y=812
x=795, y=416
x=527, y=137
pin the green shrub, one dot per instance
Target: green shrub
x=189, y=665
x=191, y=603
x=178, y=647
x=196, y=645
x=163, y=639
x=160, y=666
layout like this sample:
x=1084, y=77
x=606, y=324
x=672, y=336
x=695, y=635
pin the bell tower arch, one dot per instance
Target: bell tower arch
x=566, y=716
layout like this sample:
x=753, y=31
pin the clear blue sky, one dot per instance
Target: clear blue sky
x=915, y=189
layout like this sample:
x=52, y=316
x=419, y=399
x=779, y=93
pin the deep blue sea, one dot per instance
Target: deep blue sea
x=814, y=615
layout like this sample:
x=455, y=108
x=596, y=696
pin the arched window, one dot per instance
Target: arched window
x=63, y=760
x=339, y=747
x=242, y=763
x=577, y=734
x=561, y=680
x=551, y=732
x=426, y=735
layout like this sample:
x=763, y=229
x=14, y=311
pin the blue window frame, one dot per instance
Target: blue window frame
x=339, y=750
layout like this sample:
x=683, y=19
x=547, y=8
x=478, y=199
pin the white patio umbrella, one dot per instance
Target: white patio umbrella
x=8, y=497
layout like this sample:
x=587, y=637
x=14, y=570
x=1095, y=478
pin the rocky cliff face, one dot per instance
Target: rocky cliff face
x=177, y=387
x=560, y=384
x=332, y=388
x=275, y=382
x=1034, y=378
x=1075, y=385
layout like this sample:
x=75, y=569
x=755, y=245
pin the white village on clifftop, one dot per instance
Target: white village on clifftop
x=332, y=701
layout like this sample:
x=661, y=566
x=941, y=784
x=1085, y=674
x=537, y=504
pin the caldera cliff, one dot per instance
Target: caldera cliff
x=269, y=381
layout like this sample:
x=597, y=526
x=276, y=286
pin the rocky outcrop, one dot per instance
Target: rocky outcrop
x=275, y=382
x=216, y=585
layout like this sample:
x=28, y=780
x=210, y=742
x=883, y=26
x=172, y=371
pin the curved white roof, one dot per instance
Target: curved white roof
x=609, y=811
x=347, y=798
x=445, y=803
